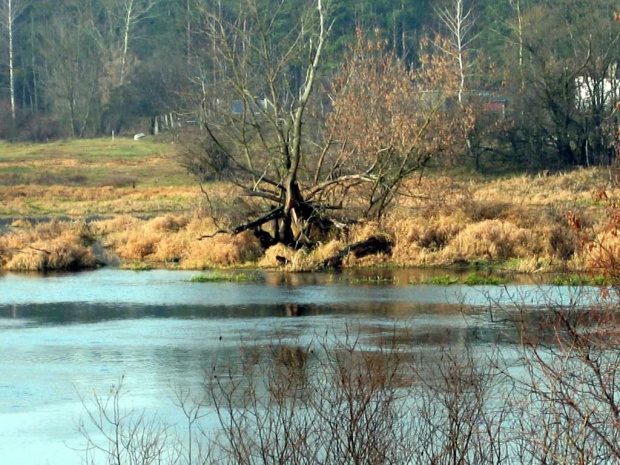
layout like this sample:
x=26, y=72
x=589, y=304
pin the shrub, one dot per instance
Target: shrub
x=563, y=242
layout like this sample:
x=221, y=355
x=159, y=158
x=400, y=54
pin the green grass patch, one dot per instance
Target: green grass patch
x=85, y=150
x=472, y=279
x=443, y=280
x=137, y=266
x=225, y=278
x=92, y=163
x=581, y=280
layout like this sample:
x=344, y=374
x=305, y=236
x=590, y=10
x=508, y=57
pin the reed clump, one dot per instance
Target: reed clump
x=177, y=239
x=275, y=255
x=524, y=223
x=492, y=240
x=222, y=250
x=280, y=256
x=456, y=239
x=48, y=246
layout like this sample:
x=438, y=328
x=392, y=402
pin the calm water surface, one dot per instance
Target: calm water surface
x=65, y=337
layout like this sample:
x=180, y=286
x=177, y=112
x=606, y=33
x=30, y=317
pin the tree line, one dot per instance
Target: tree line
x=84, y=68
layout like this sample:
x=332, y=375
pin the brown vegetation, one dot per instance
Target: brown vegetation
x=47, y=246
x=524, y=223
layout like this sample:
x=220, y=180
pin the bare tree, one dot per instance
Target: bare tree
x=566, y=85
x=255, y=104
x=113, y=25
x=389, y=121
x=73, y=70
x=459, y=21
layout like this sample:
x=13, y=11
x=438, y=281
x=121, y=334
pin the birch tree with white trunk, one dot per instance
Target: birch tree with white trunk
x=459, y=21
x=115, y=36
x=11, y=10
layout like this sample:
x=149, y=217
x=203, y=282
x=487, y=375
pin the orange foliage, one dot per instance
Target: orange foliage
x=390, y=120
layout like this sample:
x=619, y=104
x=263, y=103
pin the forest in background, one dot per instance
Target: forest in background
x=87, y=68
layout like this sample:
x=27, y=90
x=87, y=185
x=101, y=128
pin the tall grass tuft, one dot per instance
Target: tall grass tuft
x=48, y=246
x=222, y=250
x=493, y=240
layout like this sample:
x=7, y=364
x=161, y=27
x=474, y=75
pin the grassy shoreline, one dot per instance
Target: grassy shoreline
x=128, y=202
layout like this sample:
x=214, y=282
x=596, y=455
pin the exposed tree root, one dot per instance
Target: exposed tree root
x=370, y=246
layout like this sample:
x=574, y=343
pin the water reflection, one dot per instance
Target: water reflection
x=67, y=313
x=65, y=335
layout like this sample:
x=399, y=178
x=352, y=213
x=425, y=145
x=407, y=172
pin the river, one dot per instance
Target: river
x=64, y=337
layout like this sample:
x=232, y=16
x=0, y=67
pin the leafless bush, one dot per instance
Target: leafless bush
x=461, y=408
x=123, y=437
x=337, y=400
x=552, y=397
x=331, y=401
x=204, y=159
x=571, y=360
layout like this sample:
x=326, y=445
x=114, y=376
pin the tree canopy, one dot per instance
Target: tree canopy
x=83, y=68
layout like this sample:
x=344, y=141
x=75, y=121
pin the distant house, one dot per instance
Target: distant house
x=489, y=102
x=493, y=103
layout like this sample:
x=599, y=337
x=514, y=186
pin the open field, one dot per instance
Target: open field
x=131, y=201
x=91, y=163
x=82, y=178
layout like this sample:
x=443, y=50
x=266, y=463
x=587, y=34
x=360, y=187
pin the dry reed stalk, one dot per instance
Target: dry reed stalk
x=603, y=253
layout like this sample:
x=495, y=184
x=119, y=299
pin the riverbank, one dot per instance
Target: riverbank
x=80, y=216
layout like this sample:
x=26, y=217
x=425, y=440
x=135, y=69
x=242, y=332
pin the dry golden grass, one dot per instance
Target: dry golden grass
x=47, y=246
x=223, y=250
x=300, y=260
x=269, y=260
x=175, y=240
x=87, y=202
x=520, y=222
x=158, y=239
x=492, y=240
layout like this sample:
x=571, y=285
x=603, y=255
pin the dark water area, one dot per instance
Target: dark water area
x=64, y=337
